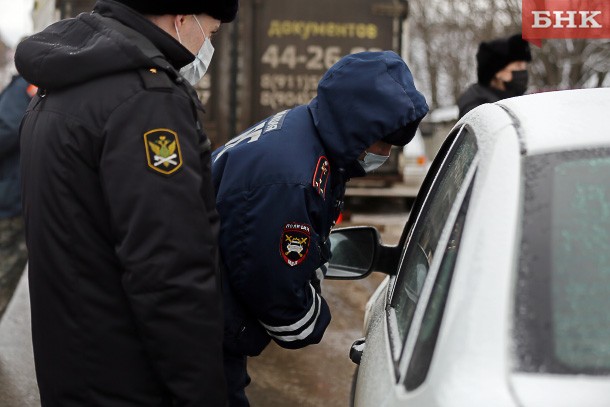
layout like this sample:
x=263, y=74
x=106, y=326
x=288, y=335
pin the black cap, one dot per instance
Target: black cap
x=494, y=55
x=223, y=10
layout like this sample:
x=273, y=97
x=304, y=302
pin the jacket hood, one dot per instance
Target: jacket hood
x=362, y=99
x=76, y=50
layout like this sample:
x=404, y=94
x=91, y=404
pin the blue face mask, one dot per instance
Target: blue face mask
x=372, y=161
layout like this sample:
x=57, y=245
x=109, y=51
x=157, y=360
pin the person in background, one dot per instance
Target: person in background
x=14, y=101
x=501, y=70
x=280, y=187
x=121, y=225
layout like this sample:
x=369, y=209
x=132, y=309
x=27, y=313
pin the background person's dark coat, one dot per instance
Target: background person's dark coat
x=14, y=101
x=477, y=95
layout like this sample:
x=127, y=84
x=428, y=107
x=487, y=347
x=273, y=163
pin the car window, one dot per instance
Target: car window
x=433, y=315
x=561, y=308
x=422, y=245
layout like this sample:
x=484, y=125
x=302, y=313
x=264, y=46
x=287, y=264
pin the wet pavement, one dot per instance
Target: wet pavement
x=318, y=375
x=18, y=386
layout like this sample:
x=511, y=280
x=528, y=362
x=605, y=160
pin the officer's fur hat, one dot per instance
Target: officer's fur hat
x=494, y=55
x=223, y=10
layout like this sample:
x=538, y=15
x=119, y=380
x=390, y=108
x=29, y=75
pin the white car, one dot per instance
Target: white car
x=498, y=294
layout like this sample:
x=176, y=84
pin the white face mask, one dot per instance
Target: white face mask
x=372, y=161
x=194, y=71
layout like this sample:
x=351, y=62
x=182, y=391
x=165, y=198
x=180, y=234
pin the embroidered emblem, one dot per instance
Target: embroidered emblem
x=163, y=151
x=321, y=175
x=294, y=243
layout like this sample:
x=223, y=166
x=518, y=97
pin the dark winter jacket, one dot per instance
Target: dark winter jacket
x=280, y=188
x=477, y=95
x=120, y=218
x=14, y=101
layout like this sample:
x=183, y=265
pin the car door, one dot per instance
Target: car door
x=416, y=296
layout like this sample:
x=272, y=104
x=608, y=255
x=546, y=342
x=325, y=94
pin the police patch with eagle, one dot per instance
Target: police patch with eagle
x=163, y=153
x=294, y=243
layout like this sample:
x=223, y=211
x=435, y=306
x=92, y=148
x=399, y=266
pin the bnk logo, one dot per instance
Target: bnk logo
x=544, y=19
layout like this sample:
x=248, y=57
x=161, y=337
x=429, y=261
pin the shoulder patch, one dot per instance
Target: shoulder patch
x=163, y=152
x=321, y=175
x=294, y=243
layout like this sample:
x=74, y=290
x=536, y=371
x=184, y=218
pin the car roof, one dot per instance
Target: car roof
x=561, y=120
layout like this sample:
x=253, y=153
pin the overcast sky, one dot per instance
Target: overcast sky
x=15, y=20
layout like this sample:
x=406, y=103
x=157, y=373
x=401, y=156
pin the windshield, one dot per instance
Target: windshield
x=562, y=322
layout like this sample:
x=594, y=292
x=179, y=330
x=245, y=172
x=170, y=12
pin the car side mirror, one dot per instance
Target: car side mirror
x=357, y=251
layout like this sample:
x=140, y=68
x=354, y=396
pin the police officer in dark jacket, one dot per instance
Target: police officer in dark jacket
x=119, y=207
x=280, y=188
x=501, y=71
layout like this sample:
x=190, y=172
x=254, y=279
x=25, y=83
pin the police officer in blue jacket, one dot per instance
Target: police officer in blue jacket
x=279, y=190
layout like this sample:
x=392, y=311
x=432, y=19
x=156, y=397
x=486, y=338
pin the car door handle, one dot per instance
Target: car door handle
x=355, y=352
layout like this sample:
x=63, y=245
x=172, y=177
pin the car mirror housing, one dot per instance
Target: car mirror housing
x=357, y=252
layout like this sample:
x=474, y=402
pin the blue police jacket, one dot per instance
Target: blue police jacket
x=14, y=101
x=280, y=187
